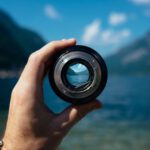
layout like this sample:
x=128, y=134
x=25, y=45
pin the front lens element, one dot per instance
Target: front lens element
x=78, y=75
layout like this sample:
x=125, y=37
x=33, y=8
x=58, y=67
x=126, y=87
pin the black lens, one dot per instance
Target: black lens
x=77, y=74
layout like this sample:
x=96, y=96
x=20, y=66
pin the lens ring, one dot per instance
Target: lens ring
x=90, y=76
x=63, y=61
x=97, y=64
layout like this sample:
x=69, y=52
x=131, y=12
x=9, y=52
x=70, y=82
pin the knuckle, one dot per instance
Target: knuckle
x=53, y=44
x=13, y=92
x=34, y=57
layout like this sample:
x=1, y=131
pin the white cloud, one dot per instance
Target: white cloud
x=93, y=34
x=117, y=18
x=51, y=12
x=141, y=2
x=91, y=31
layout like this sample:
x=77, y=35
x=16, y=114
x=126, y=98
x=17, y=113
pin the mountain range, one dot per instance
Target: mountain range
x=71, y=71
x=16, y=43
x=131, y=59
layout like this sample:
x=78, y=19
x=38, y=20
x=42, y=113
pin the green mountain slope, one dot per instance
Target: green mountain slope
x=132, y=59
x=16, y=43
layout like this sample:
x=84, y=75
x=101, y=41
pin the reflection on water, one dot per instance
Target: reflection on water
x=122, y=124
x=124, y=117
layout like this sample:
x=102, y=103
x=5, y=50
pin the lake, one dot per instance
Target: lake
x=122, y=124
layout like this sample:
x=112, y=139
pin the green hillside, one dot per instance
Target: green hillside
x=131, y=59
x=16, y=43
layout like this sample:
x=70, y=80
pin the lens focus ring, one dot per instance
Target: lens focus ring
x=93, y=64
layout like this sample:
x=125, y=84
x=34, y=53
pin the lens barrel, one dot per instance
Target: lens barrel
x=78, y=75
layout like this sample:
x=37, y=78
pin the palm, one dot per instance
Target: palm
x=30, y=122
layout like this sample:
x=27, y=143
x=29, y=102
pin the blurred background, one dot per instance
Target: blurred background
x=119, y=30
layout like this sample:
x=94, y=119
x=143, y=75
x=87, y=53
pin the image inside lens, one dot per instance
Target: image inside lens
x=78, y=75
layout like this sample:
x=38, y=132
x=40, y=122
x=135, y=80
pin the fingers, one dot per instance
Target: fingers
x=54, y=47
x=36, y=67
x=73, y=114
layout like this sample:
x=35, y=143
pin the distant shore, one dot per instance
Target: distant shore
x=10, y=73
x=6, y=74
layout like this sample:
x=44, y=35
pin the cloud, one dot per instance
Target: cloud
x=141, y=2
x=117, y=18
x=93, y=34
x=51, y=12
x=91, y=31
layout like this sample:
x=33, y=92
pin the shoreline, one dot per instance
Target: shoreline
x=4, y=74
x=8, y=74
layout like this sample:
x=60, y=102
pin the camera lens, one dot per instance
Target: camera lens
x=78, y=74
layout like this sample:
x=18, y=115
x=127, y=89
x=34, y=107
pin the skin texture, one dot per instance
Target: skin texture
x=31, y=125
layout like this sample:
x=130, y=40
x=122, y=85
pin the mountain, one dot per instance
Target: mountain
x=131, y=59
x=16, y=43
x=73, y=72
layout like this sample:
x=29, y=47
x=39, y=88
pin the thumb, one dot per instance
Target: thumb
x=73, y=114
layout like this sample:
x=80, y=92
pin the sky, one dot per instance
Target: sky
x=105, y=25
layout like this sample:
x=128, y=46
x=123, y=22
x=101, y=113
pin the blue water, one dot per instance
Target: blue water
x=124, y=98
x=122, y=124
x=78, y=80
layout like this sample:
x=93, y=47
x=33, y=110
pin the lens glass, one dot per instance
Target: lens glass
x=78, y=75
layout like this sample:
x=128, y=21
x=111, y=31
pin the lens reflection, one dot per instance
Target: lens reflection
x=77, y=74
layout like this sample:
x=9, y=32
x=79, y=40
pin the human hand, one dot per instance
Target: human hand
x=31, y=125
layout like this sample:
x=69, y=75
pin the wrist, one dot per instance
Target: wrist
x=10, y=143
x=13, y=143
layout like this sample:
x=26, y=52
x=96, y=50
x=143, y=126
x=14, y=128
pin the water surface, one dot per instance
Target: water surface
x=122, y=124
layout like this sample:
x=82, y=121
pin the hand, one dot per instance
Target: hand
x=31, y=125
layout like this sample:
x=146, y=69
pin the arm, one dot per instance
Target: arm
x=31, y=125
